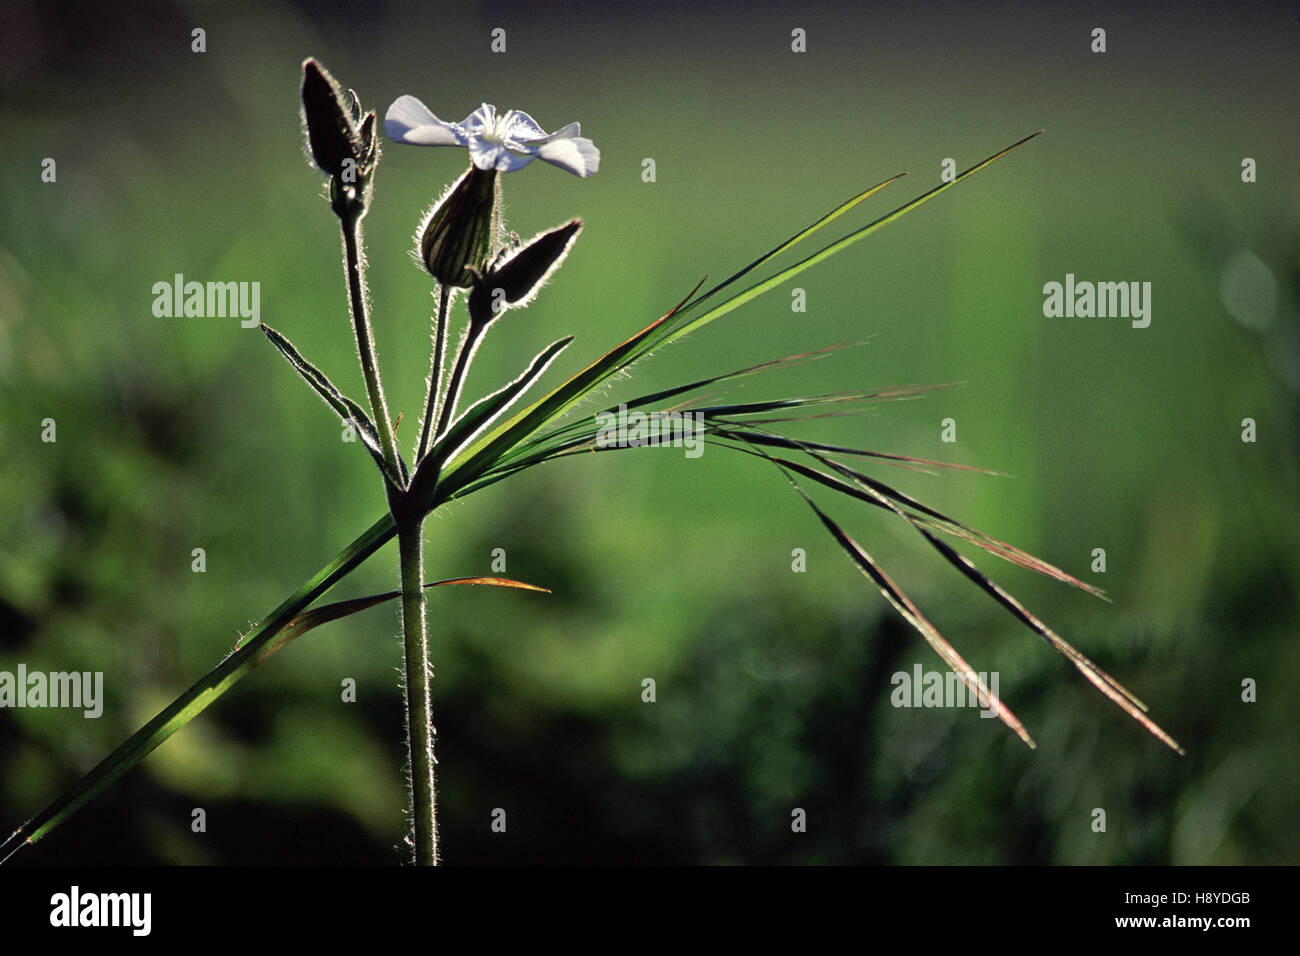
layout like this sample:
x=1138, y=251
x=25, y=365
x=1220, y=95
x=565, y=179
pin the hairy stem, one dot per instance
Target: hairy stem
x=419, y=710
x=435, y=372
x=464, y=354
x=351, y=225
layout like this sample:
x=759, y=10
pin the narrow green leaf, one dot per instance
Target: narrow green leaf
x=912, y=614
x=754, y=291
x=780, y=441
x=794, y=240
x=234, y=664
x=479, y=458
x=348, y=410
x=877, y=493
x=248, y=654
x=788, y=362
x=561, y=398
x=482, y=455
x=802, y=401
x=1098, y=677
x=475, y=420
x=560, y=436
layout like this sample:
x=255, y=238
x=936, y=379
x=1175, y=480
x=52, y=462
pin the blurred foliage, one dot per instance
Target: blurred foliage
x=772, y=687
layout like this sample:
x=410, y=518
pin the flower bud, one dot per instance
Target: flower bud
x=516, y=278
x=460, y=231
x=331, y=133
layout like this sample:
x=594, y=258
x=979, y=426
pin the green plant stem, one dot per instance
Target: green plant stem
x=435, y=373
x=464, y=354
x=419, y=710
x=351, y=225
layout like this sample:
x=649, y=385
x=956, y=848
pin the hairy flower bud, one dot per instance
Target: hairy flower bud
x=516, y=278
x=459, y=233
x=328, y=115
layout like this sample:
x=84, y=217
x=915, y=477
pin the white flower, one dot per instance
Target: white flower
x=504, y=143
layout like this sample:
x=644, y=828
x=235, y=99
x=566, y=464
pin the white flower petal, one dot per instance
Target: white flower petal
x=410, y=121
x=484, y=154
x=482, y=120
x=521, y=128
x=488, y=155
x=573, y=129
x=508, y=162
x=577, y=154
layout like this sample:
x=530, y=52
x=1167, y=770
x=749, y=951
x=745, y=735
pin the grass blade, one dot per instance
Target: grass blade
x=263, y=633
x=794, y=240
x=952, y=526
x=780, y=441
x=491, y=447
x=1098, y=677
x=754, y=291
x=477, y=418
x=903, y=604
x=479, y=458
x=788, y=362
x=562, y=434
x=247, y=656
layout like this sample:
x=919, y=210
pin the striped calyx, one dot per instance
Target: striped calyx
x=460, y=232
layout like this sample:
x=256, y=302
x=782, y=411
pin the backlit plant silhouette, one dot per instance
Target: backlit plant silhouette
x=463, y=246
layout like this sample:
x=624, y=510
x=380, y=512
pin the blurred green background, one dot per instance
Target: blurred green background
x=773, y=687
